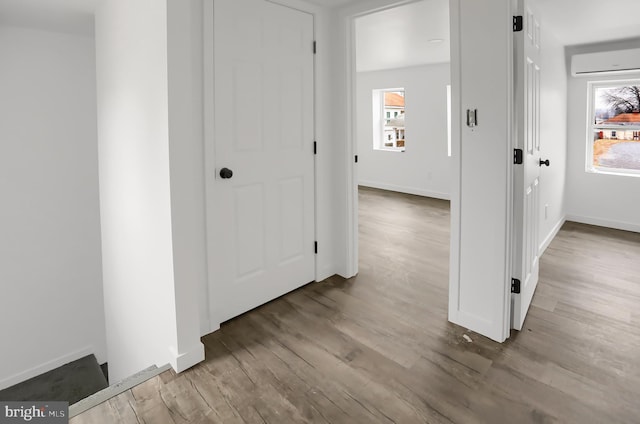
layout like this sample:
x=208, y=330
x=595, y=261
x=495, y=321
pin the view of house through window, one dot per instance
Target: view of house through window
x=388, y=119
x=614, y=135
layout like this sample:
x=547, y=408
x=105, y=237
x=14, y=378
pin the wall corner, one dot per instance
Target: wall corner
x=181, y=361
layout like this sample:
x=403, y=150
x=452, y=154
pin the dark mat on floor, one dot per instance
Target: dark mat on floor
x=69, y=383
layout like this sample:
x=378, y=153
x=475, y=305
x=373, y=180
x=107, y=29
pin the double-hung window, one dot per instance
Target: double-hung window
x=388, y=119
x=613, y=144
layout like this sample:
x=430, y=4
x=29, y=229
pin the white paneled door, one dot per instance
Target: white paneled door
x=527, y=175
x=261, y=205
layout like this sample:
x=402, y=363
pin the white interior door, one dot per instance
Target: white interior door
x=262, y=216
x=527, y=181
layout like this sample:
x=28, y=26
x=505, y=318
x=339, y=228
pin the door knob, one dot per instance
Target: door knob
x=544, y=162
x=226, y=173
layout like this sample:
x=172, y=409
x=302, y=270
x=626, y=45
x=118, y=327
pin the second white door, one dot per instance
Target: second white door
x=527, y=174
x=261, y=205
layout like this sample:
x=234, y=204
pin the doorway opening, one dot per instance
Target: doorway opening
x=401, y=200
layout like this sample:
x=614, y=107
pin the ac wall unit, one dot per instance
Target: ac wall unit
x=617, y=61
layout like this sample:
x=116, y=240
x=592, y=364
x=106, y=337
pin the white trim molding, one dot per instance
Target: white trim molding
x=601, y=222
x=181, y=361
x=552, y=234
x=407, y=190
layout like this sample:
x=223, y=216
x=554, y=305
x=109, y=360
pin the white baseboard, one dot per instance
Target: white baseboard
x=477, y=324
x=618, y=225
x=407, y=190
x=45, y=367
x=209, y=327
x=552, y=234
x=326, y=272
x=185, y=360
x=213, y=327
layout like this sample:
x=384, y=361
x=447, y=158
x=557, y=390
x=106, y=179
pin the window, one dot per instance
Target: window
x=388, y=119
x=614, y=127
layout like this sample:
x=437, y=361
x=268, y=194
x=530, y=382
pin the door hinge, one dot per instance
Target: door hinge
x=518, y=23
x=515, y=286
x=356, y=158
x=315, y=148
x=315, y=247
x=517, y=156
x=315, y=47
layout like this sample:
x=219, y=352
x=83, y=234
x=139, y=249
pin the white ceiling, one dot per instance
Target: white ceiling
x=403, y=36
x=572, y=21
x=73, y=16
x=590, y=21
x=399, y=37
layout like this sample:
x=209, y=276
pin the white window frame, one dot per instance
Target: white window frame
x=592, y=127
x=379, y=119
x=449, y=120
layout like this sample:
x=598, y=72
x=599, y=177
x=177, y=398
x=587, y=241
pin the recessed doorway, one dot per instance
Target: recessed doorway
x=403, y=182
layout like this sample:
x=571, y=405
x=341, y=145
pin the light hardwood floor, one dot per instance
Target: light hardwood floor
x=378, y=348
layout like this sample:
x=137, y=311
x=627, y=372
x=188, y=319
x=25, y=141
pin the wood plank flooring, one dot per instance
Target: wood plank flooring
x=378, y=348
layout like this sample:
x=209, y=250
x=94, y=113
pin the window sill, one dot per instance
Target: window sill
x=390, y=149
x=614, y=171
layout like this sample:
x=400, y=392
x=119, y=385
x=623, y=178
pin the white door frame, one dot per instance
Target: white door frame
x=503, y=287
x=494, y=324
x=331, y=265
x=527, y=48
x=348, y=17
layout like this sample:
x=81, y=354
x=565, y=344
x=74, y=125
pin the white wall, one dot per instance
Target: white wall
x=553, y=137
x=599, y=199
x=144, y=300
x=186, y=135
x=424, y=167
x=330, y=132
x=481, y=204
x=186, y=99
x=333, y=154
x=51, y=309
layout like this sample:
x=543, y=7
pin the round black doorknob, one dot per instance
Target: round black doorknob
x=544, y=162
x=226, y=173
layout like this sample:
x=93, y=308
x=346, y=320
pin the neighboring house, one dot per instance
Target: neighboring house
x=393, y=104
x=394, y=119
x=625, y=118
x=618, y=134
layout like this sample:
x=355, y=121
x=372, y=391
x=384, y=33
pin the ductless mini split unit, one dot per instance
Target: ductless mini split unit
x=611, y=62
